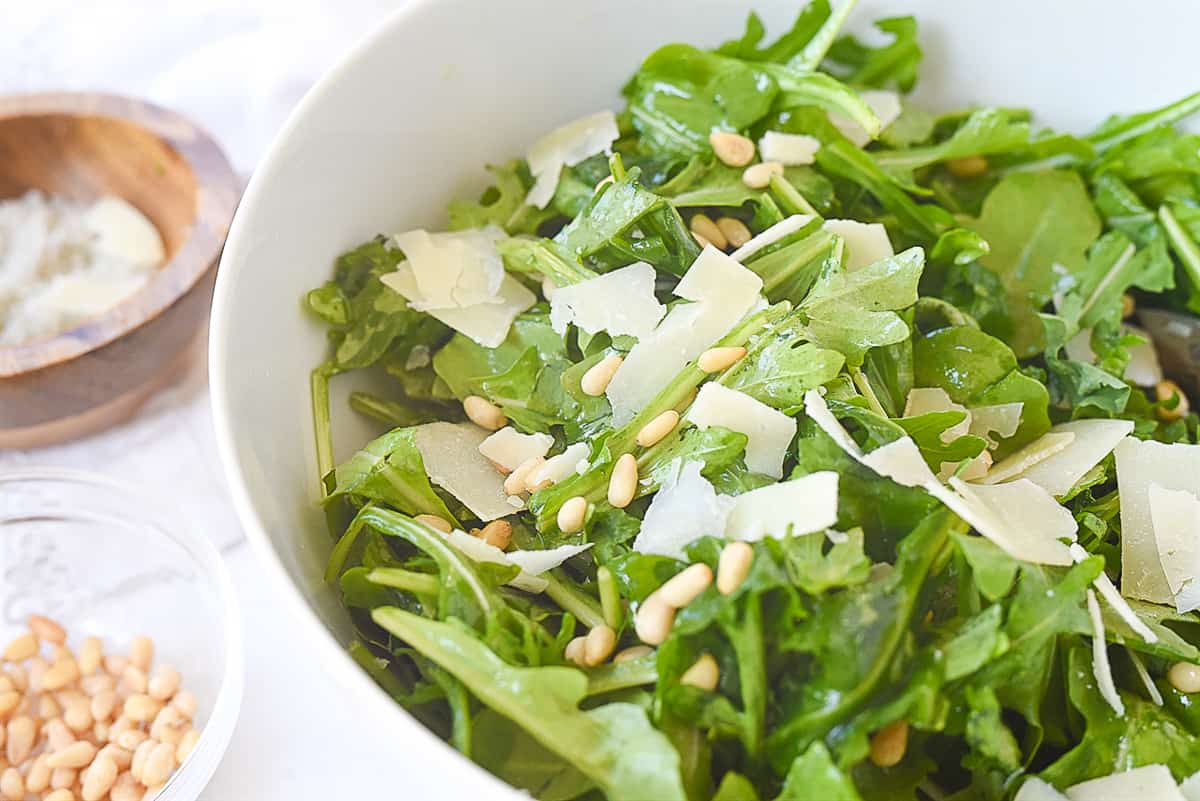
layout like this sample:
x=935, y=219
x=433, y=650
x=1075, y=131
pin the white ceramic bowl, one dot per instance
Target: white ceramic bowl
x=407, y=121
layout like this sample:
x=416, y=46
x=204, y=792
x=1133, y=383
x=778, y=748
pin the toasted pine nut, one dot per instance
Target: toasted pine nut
x=37, y=670
x=1165, y=390
x=8, y=702
x=12, y=785
x=732, y=148
x=120, y=757
x=623, y=483
x=187, y=744
x=497, y=533
x=62, y=793
x=734, y=566
x=596, y=380
x=38, y=779
x=62, y=778
x=21, y=648
x=76, y=755
x=97, y=683
x=758, y=176
x=653, y=432
x=78, y=717
x=185, y=702
x=685, y=586
x=60, y=674
x=141, y=653
x=141, y=708
x=126, y=788
x=653, y=620
x=705, y=674
x=575, y=651
x=6, y=684
x=21, y=735
x=57, y=734
x=104, y=703
x=48, y=707
x=167, y=726
x=889, y=744
x=99, y=778
x=1184, y=676
x=164, y=683
x=134, y=679
x=967, y=167
x=633, y=652
x=47, y=630
x=159, y=765
x=703, y=225
x=484, y=413
x=735, y=231
x=140, y=756
x=100, y=731
x=599, y=644
x=434, y=522
x=571, y=514
x=115, y=665
x=714, y=360
x=19, y=677
x=1128, y=306
x=131, y=739
x=89, y=656
x=121, y=725
x=514, y=483
x=700, y=240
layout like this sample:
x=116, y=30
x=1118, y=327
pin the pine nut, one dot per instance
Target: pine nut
x=703, y=225
x=115, y=665
x=89, y=656
x=571, y=514
x=48, y=707
x=130, y=740
x=685, y=586
x=104, y=703
x=623, y=483
x=758, y=176
x=119, y=727
x=1184, y=676
x=576, y=650
x=701, y=241
x=21, y=734
x=187, y=744
x=732, y=148
x=714, y=360
x=735, y=231
x=141, y=653
x=514, y=483
x=1128, y=306
x=653, y=620
x=889, y=744
x=126, y=788
x=139, y=758
x=47, y=630
x=967, y=167
x=734, y=566
x=633, y=652
x=61, y=793
x=705, y=674
x=37, y=670
x=653, y=432
x=57, y=734
x=434, y=522
x=8, y=702
x=76, y=755
x=160, y=764
x=164, y=683
x=185, y=702
x=596, y=380
x=19, y=677
x=134, y=679
x=599, y=644
x=38, y=779
x=60, y=674
x=78, y=717
x=6, y=684
x=99, y=778
x=63, y=778
x=70, y=696
x=97, y=683
x=167, y=725
x=12, y=785
x=497, y=533
x=21, y=648
x=100, y=731
x=484, y=413
x=120, y=757
x=141, y=708
x=1164, y=391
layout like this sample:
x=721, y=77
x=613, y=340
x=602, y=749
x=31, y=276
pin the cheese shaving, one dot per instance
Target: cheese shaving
x=803, y=505
x=566, y=146
x=1039, y=450
x=686, y=508
x=1101, y=668
x=1108, y=592
x=769, y=431
x=452, y=459
x=787, y=148
x=885, y=104
x=1175, y=518
x=785, y=227
x=866, y=243
x=510, y=448
x=621, y=302
x=1149, y=782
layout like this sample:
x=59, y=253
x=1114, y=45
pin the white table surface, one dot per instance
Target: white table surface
x=237, y=67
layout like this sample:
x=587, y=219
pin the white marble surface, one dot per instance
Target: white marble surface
x=237, y=67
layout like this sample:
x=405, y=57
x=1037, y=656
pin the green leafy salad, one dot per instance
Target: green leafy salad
x=775, y=438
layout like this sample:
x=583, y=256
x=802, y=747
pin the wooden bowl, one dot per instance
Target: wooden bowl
x=83, y=146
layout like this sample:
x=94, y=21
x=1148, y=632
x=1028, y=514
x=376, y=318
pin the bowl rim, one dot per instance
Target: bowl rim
x=347, y=674
x=216, y=197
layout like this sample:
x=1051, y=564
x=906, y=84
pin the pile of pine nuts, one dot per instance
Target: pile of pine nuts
x=85, y=726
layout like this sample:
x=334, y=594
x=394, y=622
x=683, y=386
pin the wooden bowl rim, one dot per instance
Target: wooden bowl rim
x=217, y=192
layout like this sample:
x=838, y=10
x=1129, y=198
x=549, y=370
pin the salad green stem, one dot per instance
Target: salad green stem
x=322, y=430
x=622, y=675
x=563, y=592
x=1183, y=245
x=818, y=47
x=789, y=198
x=407, y=580
x=610, y=597
x=341, y=551
x=864, y=386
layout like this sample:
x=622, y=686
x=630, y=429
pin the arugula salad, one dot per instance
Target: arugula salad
x=776, y=438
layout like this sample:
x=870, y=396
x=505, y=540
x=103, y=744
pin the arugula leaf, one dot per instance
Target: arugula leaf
x=808, y=22
x=987, y=131
x=814, y=775
x=502, y=203
x=780, y=366
x=505, y=749
x=894, y=63
x=816, y=570
x=389, y=469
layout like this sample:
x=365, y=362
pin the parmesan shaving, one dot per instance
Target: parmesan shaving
x=785, y=227
x=537, y=562
x=803, y=505
x=1039, y=450
x=479, y=551
x=559, y=467
x=620, y=302
x=1175, y=518
x=788, y=149
x=1108, y=592
x=1101, y=668
x=510, y=448
x=1144, y=675
x=686, y=508
x=565, y=147
x=452, y=459
x=485, y=323
x=1034, y=789
x=1001, y=419
x=1143, y=368
x=924, y=400
x=885, y=104
x=769, y=431
x=866, y=243
x=1138, y=784
x=453, y=270
x=1092, y=440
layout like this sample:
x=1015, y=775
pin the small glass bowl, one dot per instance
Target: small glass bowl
x=103, y=560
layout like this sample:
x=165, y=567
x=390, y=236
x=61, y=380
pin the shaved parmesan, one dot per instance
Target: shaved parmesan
x=452, y=459
x=1002, y=419
x=788, y=149
x=685, y=509
x=801, y=506
x=1108, y=592
x=1139, y=465
x=479, y=551
x=901, y=461
x=816, y=408
x=567, y=146
x=1037, y=451
x=453, y=270
x=769, y=431
x=1019, y=517
x=510, y=448
x=1101, y=668
x=537, y=562
x=485, y=323
x=620, y=302
x=885, y=104
x=1175, y=515
x=1139, y=784
x=785, y=227
x=1143, y=368
x=1093, y=440
x=1191, y=787
x=723, y=292
x=1079, y=347
x=866, y=243
x=923, y=400
x=1034, y=789
x=559, y=467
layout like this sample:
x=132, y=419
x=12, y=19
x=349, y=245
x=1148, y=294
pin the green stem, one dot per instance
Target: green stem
x=622, y=675
x=391, y=412
x=1140, y=124
x=1183, y=245
x=752, y=675
x=341, y=551
x=864, y=386
x=322, y=429
x=610, y=597
x=406, y=580
x=789, y=197
x=617, y=167
x=564, y=593
x=814, y=52
x=542, y=256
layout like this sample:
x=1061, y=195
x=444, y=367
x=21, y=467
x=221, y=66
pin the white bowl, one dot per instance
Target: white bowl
x=407, y=121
